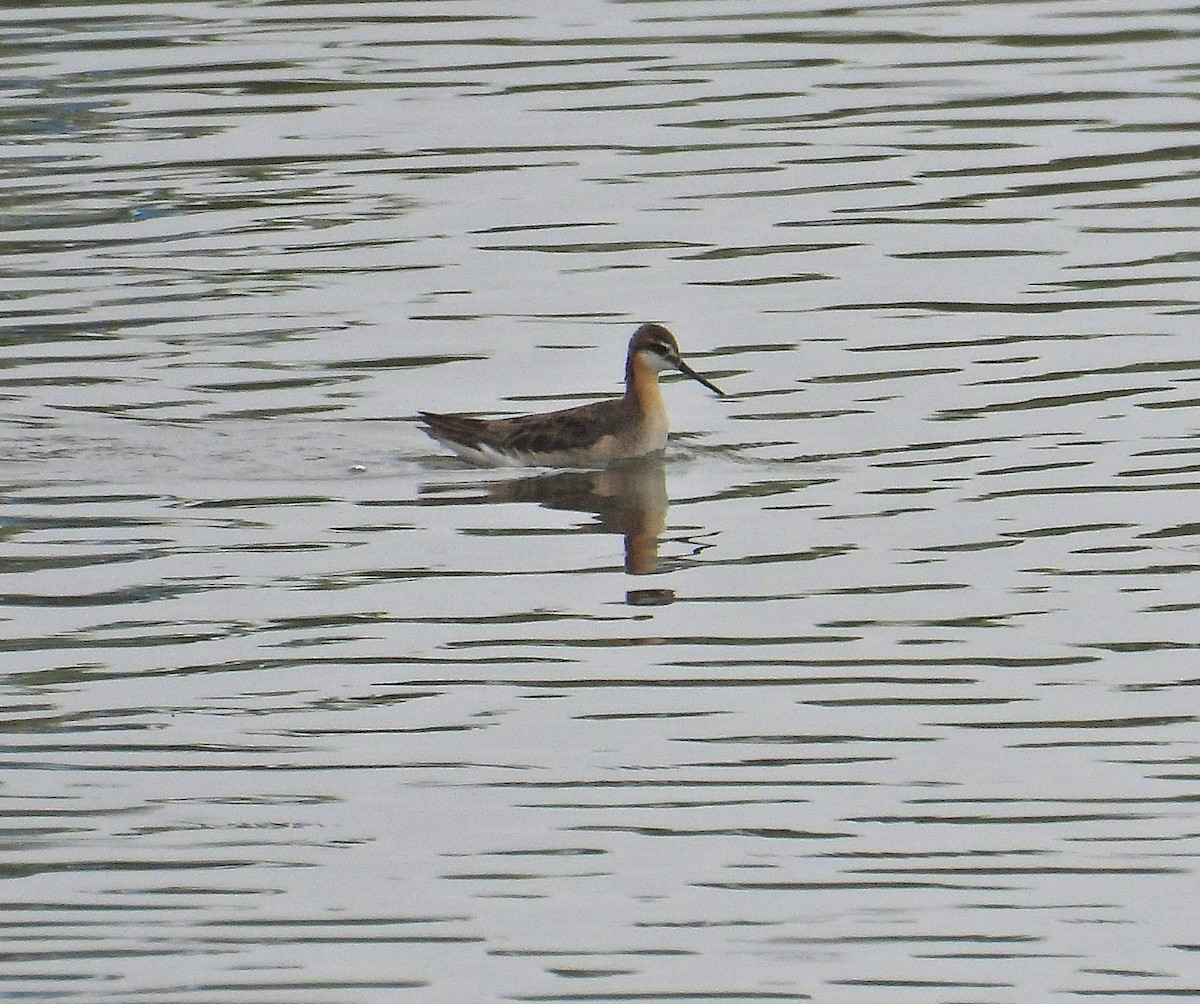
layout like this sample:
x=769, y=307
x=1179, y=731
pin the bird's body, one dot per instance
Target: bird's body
x=591, y=435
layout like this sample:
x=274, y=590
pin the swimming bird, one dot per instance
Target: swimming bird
x=591, y=435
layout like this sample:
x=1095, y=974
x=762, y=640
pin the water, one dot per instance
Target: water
x=879, y=688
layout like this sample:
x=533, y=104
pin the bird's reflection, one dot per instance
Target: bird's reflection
x=629, y=499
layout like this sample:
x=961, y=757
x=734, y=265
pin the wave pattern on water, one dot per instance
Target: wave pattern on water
x=878, y=687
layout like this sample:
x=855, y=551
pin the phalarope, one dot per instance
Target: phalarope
x=591, y=435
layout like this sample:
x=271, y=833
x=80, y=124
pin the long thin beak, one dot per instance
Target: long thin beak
x=686, y=370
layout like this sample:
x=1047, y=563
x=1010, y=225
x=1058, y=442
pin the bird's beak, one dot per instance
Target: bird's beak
x=686, y=370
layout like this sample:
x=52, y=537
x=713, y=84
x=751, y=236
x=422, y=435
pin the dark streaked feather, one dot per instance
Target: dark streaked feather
x=552, y=432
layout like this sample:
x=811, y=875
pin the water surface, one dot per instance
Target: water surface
x=879, y=686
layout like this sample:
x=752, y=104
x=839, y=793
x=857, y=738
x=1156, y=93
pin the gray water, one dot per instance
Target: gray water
x=880, y=687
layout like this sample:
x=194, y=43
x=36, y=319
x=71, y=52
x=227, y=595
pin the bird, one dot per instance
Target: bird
x=590, y=435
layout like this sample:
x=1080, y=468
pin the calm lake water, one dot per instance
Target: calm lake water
x=880, y=687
